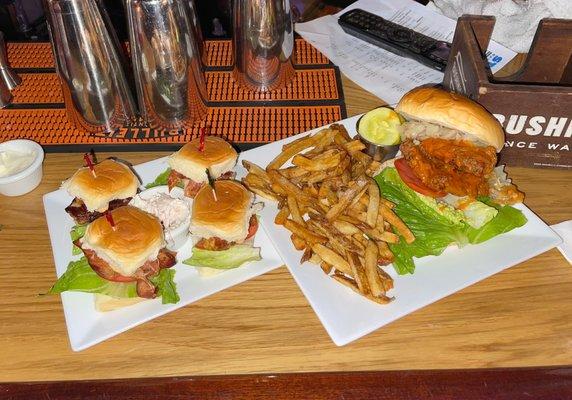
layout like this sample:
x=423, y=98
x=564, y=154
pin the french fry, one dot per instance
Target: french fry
x=359, y=274
x=317, y=163
x=304, y=232
x=295, y=211
x=315, y=259
x=399, y=225
x=282, y=216
x=263, y=193
x=371, y=270
x=385, y=255
x=256, y=170
x=386, y=280
x=288, y=187
x=345, y=199
x=298, y=242
x=327, y=268
x=354, y=146
x=344, y=280
x=333, y=258
x=290, y=150
x=376, y=234
x=345, y=227
x=373, y=205
x=306, y=256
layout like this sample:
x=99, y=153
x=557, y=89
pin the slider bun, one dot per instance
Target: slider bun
x=137, y=238
x=218, y=156
x=227, y=217
x=452, y=111
x=114, y=180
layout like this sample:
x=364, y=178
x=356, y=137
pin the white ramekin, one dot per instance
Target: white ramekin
x=177, y=237
x=27, y=180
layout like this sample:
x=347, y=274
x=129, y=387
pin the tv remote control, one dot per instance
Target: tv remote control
x=396, y=38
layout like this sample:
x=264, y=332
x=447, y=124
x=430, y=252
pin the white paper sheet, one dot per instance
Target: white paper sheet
x=378, y=71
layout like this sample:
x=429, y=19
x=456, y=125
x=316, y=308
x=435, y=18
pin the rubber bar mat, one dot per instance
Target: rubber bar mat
x=247, y=119
x=309, y=84
x=217, y=54
x=243, y=126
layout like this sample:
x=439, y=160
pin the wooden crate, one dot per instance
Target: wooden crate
x=534, y=105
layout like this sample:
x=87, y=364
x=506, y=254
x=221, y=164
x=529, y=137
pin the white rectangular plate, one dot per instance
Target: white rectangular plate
x=86, y=326
x=348, y=316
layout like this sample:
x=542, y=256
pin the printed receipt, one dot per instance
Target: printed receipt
x=387, y=75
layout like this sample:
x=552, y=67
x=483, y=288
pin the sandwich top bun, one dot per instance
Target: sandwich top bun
x=227, y=217
x=113, y=180
x=218, y=156
x=137, y=238
x=452, y=111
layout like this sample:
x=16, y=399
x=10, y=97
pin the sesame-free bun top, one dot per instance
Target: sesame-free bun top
x=227, y=217
x=452, y=111
x=137, y=237
x=218, y=156
x=113, y=180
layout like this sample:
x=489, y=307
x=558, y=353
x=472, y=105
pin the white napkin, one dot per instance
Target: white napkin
x=564, y=230
x=516, y=20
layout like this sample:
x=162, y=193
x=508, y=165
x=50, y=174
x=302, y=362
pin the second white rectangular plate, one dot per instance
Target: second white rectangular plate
x=348, y=316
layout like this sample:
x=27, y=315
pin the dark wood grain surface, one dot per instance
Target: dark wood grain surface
x=490, y=384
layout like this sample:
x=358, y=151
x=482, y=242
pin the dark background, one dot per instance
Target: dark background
x=24, y=19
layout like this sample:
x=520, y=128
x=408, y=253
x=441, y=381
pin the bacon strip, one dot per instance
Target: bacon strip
x=145, y=289
x=192, y=187
x=78, y=211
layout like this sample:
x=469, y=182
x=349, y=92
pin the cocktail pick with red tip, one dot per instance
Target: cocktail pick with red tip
x=202, y=140
x=109, y=218
x=211, y=183
x=89, y=164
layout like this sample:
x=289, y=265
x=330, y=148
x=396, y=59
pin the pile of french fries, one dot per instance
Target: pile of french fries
x=329, y=201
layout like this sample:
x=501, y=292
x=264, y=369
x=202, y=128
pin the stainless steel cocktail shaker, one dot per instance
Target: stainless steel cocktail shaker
x=88, y=62
x=6, y=73
x=166, y=61
x=263, y=43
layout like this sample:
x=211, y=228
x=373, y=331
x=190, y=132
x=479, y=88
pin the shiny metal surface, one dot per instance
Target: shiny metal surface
x=197, y=30
x=88, y=62
x=5, y=94
x=166, y=61
x=263, y=43
x=6, y=73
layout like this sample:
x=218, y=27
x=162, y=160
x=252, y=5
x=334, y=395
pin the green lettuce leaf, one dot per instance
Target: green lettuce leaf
x=507, y=219
x=76, y=233
x=436, y=225
x=224, y=259
x=479, y=214
x=167, y=288
x=160, y=180
x=79, y=277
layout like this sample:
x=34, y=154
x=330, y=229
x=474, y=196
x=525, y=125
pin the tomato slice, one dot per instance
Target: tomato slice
x=253, y=227
x=408, y=176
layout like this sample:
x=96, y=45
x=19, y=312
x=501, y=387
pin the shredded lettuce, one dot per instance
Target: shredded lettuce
x=224, y=259
x=436, y=225
x=80, y=277
x=76, y=233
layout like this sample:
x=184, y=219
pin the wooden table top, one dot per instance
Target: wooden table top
x=520, y=317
